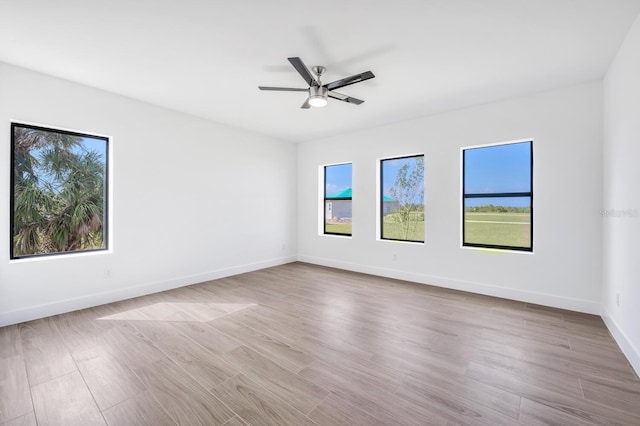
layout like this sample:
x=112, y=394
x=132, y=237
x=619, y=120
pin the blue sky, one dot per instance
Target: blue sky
x=492, y=169
x=390, y=171
x=94, y=144
x=501, y=168
x=495, y=169
x=337, y=178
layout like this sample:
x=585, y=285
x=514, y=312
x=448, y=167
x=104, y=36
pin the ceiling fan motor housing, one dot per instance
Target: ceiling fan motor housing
x=318, y=92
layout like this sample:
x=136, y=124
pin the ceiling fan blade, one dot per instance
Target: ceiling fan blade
x=345, y=98
x=283, y=89
x=349, y=80
x=306, y=104
x=303, y=71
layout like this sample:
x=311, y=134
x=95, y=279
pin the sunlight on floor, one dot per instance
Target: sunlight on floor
x=169, y=311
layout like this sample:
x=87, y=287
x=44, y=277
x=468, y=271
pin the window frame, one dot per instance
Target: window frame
x=106, y=236
x=381, y=197
x=325, y=199
x=499, y=195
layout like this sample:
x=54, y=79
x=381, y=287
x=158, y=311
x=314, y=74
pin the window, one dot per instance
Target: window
x=337, y=199
x=402, y=198
x=58, y=191
x=498, y=196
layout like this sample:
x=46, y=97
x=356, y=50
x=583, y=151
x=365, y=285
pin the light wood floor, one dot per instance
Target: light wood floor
x=303, y=345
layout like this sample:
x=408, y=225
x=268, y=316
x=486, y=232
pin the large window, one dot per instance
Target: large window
x=497, y=196
x=402, y=198
x=58, y=191
x=337, y=199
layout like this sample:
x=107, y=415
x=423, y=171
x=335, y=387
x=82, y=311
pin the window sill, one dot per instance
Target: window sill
x=496, y=250
x=61, y=256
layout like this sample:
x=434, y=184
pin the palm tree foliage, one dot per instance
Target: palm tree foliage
x=58, y=193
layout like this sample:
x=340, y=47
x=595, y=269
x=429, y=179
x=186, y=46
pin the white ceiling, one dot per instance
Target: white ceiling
x=207, y=58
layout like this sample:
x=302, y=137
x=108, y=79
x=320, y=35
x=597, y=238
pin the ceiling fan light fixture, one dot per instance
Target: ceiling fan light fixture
x=318, y=96
x=317, y=101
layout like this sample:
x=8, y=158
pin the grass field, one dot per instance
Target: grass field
x=391, y=230
x=500, y=229
x=395, y=231
x=338, y=228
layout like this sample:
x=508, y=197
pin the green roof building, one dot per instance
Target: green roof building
x=338, y=204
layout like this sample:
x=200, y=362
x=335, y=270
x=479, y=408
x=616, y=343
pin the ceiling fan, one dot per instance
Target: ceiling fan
x=318, y=92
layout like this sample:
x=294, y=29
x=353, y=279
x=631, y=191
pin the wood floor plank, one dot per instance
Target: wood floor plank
x=335, y=411
x=583, y=319
x=26, y=420
x=526, y=314
x=298, y=392
x=140, y=410
x=109, y=379
x=154, y=331
x=282, y=331
x=537, y=375
x=372, y=336
x=417, y=361
x=10, y=342
x=602, y=347
x=99, y=315
x=281, y=352
x=257, y=405
x=575, y=407
x=486, y=345
x=304, y=343
x=65, y=401
x=451, y=405
x=15, y=396
x=186, y=401
x=154, y=310
x=360, y=372
x=203, y=365
x=128, y=345
x=534, y=414
x=207, y=336
x=623, y=395
x=236, y=421
x=465, y=318
x=46, y=357
x=527, y=339
x=569, y=328
x=381, y=404
x=440, y=380
x=77, y=331
x=580, y=366
x=331, y=348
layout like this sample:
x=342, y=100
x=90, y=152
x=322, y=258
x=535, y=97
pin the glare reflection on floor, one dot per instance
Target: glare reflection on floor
x=173, y=311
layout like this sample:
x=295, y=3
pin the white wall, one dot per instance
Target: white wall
x=622, y=196
x=566, y=267
x=192, y=200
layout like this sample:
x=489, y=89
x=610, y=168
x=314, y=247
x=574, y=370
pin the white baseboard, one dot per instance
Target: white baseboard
x=630, y=351
x=68, y=305
x=576, y=305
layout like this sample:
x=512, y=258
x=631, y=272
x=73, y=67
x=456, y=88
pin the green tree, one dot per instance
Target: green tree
x=58, y=203
x=408, y=190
